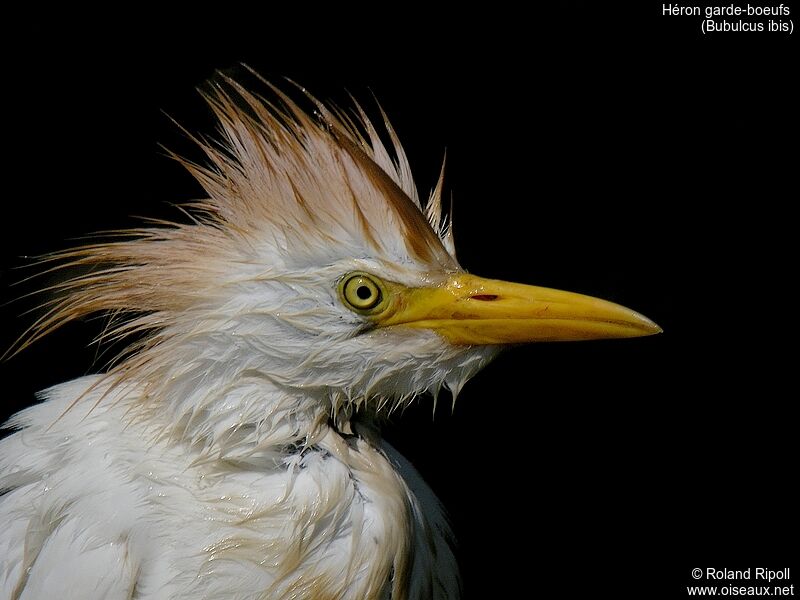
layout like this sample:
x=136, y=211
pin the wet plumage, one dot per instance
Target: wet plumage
x=234, y=449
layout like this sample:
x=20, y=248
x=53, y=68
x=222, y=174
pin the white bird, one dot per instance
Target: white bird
x=234, y=450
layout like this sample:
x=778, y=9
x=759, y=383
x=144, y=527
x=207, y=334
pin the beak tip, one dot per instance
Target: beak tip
x=649, y=327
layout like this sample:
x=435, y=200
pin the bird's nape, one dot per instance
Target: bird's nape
x=234, y=451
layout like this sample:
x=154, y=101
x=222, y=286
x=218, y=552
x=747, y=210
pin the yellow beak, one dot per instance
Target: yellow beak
x=467, y=309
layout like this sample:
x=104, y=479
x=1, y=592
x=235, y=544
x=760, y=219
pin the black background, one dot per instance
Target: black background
x=601, y=149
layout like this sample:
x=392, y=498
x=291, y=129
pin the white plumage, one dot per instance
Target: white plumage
x=101, y=508
x=234, y=451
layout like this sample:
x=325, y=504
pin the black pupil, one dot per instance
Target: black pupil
x=363, y=292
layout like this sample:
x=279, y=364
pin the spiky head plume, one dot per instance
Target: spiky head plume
x=294, y=201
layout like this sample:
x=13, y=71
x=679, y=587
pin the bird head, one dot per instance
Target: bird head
x=313, y=267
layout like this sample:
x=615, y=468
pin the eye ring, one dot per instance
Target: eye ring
x=361, y=292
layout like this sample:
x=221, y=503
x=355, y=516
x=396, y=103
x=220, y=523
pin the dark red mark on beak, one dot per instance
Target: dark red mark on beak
x=484, y=297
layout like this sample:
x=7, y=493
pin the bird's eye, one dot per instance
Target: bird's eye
x=361, y=292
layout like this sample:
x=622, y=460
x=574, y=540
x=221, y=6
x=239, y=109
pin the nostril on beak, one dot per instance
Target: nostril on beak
x=484, y=297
